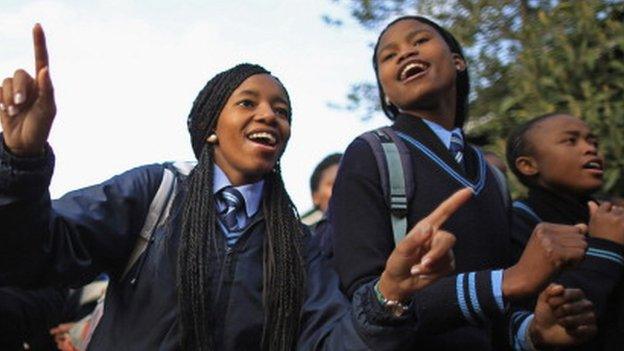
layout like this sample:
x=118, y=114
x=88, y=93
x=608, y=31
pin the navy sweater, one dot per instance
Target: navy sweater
x=598, y=275
x=457, y=311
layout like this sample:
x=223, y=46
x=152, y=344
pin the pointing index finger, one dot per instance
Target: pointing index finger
x=41, y=52
x=447, y=208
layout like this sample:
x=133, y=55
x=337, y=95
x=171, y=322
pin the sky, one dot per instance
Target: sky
x=126, y=73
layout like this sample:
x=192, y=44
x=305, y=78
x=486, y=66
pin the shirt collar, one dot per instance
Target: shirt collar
x=251, y=192
x=443, y=134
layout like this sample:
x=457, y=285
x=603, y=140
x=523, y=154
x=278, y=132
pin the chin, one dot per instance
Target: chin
x=261, y=170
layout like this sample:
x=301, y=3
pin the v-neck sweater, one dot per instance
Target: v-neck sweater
x=456, y=309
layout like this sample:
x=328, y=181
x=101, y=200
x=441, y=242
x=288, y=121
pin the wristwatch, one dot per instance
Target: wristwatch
x=396, y=308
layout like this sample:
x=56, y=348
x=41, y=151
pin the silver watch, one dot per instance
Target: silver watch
x=396, y=308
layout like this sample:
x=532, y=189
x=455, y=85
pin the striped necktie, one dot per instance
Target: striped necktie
x=234, y=202
x=457, y=147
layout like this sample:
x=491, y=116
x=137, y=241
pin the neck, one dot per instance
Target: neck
x=446, y=121
x=441, y=112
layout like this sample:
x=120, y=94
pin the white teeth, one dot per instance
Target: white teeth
x=414, y=65
x=265, y=137
x=595, y=165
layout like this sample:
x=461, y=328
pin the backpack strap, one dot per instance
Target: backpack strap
x=159, y=208
x=396, y=175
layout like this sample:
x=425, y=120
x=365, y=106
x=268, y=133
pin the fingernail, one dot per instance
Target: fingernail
x=12, y=111
x=2, y=107
x=426, y=261
x=415, y=270
x=18, y=98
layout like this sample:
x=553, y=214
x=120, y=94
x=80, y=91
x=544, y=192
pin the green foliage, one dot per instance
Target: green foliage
x=528, y=58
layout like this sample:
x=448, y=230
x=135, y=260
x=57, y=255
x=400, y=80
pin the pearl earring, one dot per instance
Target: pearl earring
x=212, y=139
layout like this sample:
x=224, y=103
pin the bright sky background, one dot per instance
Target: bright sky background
x=126, y=73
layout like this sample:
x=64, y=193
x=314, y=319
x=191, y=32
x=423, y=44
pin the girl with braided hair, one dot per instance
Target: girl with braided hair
x=230, y=267
x=556, y=156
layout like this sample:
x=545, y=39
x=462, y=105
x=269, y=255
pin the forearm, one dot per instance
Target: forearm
x=23, y=178
x=24, y=203
x=70, y=240
x=598, y=274
x=471, y=298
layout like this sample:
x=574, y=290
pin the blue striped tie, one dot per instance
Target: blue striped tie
x=234, y=202
x=457, y=147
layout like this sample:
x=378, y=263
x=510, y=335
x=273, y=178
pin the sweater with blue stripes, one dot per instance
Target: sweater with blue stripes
x=599, y=275
x=459, y=311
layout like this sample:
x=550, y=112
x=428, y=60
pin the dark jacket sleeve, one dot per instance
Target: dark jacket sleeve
x=598, y=273
x=73, y=239
x=363, y=241
x=28, y=315
x=331, y=322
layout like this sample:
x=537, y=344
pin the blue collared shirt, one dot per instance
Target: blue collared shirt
x=442, y=133
x=252, y=193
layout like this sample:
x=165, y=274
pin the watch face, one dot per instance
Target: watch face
x=396, y=308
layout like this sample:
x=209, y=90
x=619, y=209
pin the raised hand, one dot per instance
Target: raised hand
x=27, y=107
x=562, y=317
x=550, y=248
x=424, y=255
x=606, y=222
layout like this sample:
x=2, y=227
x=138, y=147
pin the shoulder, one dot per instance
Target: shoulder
x=136, y=186
x=523, y=220
x=359, y=158
x=146, y=177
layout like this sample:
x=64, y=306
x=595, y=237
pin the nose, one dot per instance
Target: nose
x=407, y=52
x=266, y=114
x=589, y=147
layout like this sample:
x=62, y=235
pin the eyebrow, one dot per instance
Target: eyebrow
x=255, y=94
x=408, y=37
x=579, y=133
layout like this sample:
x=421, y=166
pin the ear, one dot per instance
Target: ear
x=459, y=62
x=527, y=166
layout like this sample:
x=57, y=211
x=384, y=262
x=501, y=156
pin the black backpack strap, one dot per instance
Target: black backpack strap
x=395, y=173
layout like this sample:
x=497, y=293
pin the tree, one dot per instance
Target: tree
x=527, y=58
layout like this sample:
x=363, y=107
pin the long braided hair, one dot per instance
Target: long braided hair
x=462, y=83
x=283, y=266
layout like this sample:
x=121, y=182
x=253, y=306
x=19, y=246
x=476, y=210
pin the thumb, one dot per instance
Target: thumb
x=44, y=84
x=593, y=207
x=415, y=239
x=582, y=228
x=551, y=291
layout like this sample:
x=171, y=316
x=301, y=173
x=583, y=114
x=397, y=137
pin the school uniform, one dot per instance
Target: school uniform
x=93, y=230
x=458, y=311
x=599, y=275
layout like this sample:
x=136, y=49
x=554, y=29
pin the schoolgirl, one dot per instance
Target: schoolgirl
x=424, y=86
x=556, y=156
x=230, y=267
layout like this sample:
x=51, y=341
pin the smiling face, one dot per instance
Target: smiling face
x=564, y=156
x=253, y=129
x=416, y=67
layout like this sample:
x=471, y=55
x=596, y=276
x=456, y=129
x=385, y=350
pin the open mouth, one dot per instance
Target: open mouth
x=412, y=70
x=264, y=138
x=593, y=165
